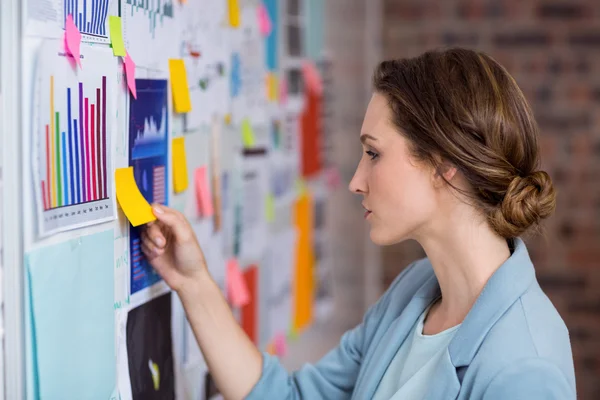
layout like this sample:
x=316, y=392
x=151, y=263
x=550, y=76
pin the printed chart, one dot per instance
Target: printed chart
x=148, y=154
x=47, y=18
x=151, y=24
x=71, y=137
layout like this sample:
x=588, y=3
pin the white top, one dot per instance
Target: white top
x=412, y=369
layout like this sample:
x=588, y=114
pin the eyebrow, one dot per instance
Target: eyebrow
x=365, y=136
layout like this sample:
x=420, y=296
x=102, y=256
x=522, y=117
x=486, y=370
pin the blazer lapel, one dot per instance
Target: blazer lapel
x=377, y=361
x=446, y=384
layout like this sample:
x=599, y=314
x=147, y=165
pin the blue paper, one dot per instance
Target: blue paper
x=271, y=42
x=70, y=323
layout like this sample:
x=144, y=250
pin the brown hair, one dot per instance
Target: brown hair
x=462, y=107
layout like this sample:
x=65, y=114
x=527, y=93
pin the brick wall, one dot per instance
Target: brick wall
x=552, y=48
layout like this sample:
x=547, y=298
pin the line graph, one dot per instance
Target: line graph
x=155, y=10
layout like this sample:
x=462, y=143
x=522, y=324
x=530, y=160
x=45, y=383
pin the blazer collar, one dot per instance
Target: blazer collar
x=503, y=288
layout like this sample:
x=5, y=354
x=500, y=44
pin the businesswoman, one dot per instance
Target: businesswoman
x=450, y=159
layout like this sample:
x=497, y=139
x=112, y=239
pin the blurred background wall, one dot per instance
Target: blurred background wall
x=552, y=49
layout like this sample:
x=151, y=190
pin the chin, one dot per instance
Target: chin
x=381, y=238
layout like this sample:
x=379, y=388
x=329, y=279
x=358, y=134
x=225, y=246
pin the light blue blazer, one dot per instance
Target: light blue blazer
x=513, y=344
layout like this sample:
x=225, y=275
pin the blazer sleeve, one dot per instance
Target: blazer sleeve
x=334, y=376
x=530, y=379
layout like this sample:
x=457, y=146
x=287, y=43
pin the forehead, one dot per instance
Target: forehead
x=377, y=117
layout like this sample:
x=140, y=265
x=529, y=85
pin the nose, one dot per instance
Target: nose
x=358, y=183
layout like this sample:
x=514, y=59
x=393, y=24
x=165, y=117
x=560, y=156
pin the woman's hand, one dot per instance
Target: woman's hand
x=171, y=247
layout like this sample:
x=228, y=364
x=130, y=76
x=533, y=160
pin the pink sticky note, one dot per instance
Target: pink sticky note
x=203, y=195
x=264, y=20
x=73, y=39
x=237, y=290
x=130, y=74
x=283, y=91
x=333, y=178
x=280, y=345
x=312, y=77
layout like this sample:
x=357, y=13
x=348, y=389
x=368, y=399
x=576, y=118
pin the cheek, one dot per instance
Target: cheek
x=403, y=192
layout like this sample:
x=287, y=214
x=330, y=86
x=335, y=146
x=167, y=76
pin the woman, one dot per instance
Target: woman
x=450, y=160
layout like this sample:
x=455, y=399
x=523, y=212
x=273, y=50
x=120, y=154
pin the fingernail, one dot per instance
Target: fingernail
x=158, y=209
x=159, y=241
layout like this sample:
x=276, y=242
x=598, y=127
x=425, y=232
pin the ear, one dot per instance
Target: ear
x=445, y=172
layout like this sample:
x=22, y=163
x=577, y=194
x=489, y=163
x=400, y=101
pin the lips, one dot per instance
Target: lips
x=367, y=211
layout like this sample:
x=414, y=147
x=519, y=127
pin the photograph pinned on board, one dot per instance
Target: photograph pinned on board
x=150, y=350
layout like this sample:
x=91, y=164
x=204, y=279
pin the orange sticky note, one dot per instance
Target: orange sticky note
x=179, y=86
x=264, y=20
x=203, y=195
x=73, y=39
x=134, y=205
x=304, y=269
x=280, y=344
x=234, y=13
x=237, y=290
x=312, y=77
x=130, y=74
x=180, y=175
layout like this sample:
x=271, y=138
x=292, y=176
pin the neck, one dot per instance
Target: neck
x=463, y=258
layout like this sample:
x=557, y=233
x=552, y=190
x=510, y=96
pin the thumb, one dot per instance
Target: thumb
x=174, y=220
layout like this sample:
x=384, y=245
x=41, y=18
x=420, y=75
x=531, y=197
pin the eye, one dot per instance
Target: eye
x=371, y=154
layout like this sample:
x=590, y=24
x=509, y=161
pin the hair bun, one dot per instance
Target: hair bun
x=528, y=200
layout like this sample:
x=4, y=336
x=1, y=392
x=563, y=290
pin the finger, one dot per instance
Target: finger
x=155, y=234
x=150, y=251
x=174, y=220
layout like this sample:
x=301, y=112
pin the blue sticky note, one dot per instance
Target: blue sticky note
x=71, y=319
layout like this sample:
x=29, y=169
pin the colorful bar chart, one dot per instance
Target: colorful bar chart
x=75, y=145
x=89, y=15
x=71, y=143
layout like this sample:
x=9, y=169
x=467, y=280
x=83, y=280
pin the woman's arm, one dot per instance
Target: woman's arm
x=238, y=368
x=233, y=360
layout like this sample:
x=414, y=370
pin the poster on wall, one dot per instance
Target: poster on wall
x=73, y=119
x=148, y=155
x=150, y=350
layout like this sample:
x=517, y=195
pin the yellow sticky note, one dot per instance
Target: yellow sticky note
x=272, y=87
x=116, y=36
x=180, y=175
x=234, y=13
x=179, y=86
x=136, y=208
x=247, y=133
x=270, y=207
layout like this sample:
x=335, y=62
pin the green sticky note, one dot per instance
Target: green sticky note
x=270, y=207
x=247, y=133
x=116, y=36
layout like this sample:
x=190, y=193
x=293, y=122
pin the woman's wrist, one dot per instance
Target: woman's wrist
x=196, y=288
